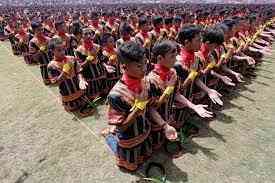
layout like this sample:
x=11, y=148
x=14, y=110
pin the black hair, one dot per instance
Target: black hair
x=162, y=48
x=213, y=35
x=125, y=28
x=142, y=21
x=59, y=23
x=157, y=20
x=229, y=23
x=88, y=30
x=105, y=37
x=188, y=33
x=223, y=27
x=94, y=15
x=130, y=52
x=75, y=28
x=252, y=18
x=54, y=42
x=168, y=20
x=35, y=25
x=177, y=19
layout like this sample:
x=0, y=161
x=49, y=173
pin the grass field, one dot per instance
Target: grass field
x=40, y=142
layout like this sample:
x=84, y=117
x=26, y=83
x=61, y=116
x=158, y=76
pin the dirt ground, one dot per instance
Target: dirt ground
x=39, y=142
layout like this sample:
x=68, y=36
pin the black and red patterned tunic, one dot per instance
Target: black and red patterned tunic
x=69, y=89
x=93, y=71
x=134, y=144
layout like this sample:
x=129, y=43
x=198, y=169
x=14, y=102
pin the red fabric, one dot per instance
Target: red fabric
x=41, y=38
x=50, y=24
x=25, y=26
x=62, y=34
x=126, y=38
x=109, y=49
x=22, y=33
x=204, y=50
x=132, y=83
x=176, y=28
x=163, y=72
x=61, y=60
x=111, y=21
x=95, y=23
x=168, y=27
x=144, y=34
x=157, y=29
x=188, y=57
x=88, y=44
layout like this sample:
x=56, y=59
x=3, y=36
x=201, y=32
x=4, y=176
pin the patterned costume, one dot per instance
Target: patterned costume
x=134, y=144
x=109, y=57
x=93, y=71
x=163, y=81
x=39, y=53
x=69, y=86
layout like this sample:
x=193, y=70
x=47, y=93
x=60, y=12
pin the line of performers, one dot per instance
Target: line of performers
x=154, y=73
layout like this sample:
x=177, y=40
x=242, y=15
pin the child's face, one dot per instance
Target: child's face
x=110, y=42
x=146, y=27
x=126, y=35
x=177, y=24
x=159, y=25
x=196, y=42
x=136, y=70
x=169, y=59
x=62, y=28
x=87, y=35
x=226, y=36
x=38, y=31
x=230, y=34
x=59, y=51
x=212, y=46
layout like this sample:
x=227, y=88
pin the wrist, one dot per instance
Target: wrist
x=164, y=126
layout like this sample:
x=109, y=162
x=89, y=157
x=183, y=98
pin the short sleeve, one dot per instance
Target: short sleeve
x=181, y=72
x=53, y=72
x=117, y=109
x=80, y=56
x=154, y=91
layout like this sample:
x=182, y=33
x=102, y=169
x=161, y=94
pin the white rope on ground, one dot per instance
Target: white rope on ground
x=57, y=99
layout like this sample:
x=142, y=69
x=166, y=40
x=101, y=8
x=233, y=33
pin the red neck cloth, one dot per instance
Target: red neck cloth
x=133, y=84
x=62, y=34
x=144, y=34
x=41, y=38
x=204, y=50
x=157, y=29
x=162, y=71
x=126, y=38
x=109, y=49
x=61, y=60
x=188, y=57
x=88, y=44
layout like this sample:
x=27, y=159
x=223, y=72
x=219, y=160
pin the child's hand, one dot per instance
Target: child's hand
x=228, y=81
x=202, y=112
x=170, y=132
x=250, y=61
x=215, y=97
x=54, y=80
x=239, y=77
x=162, y=100
x=110, y=69
x=137, y=112
x=153, y=101
x=83, y=84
